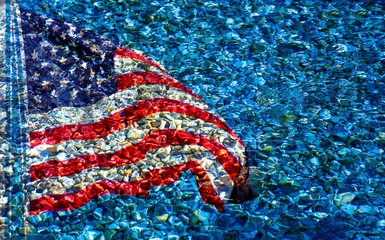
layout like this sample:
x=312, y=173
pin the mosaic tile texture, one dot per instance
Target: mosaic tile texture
x=302, y=84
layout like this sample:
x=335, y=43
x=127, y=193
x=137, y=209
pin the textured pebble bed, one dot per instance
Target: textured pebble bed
x=301, y=82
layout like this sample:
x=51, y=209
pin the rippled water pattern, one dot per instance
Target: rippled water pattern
x=302, y=83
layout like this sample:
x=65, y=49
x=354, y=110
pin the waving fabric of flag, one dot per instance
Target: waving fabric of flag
x=104, y=119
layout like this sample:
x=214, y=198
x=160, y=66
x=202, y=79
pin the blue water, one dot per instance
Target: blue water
x=301, y=82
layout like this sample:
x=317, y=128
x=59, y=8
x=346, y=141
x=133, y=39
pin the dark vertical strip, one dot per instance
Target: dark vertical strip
x=22, y=143
x=8, y=107
x=16, y=137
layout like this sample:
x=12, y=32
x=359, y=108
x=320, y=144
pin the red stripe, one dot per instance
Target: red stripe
x=121, y=120
x=156, y=177
x=125, y=53
x=136, y=153
x=133, y=79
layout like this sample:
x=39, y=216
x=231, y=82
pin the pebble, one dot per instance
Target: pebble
x=315, y=162
x=344, y=152
x=319, y=215
x=381, y=223
x=325, y=114
x=98, y=213
x=259, y=81
x=114, y=226
x=162, y=218
x=204, y=217
x=349, y=209
x=344, y=198
x=137, y=216
x=185, y=219
x=366, y=209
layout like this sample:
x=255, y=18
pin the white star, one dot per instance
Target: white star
x=87, y=42
x=34, y=55
x=72, y=27
x=46, y=85
x=103, y=56
x=74, y=93
x=71, y=31
x=53, y=51
x=100, y=81
x=63, y=60
x=72, y=70
x=94, y=48
x=64, y=82
x=44, y=43
x=84, y=65
x=48, y=21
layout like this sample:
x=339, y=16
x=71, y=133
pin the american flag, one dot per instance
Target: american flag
x=104, y=119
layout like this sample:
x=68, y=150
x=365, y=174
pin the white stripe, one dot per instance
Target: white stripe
x=125, y=65
x=159, y=158
x=108, y=106
x=133, y=134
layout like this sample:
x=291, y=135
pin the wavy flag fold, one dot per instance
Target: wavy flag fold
x=104, y=119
